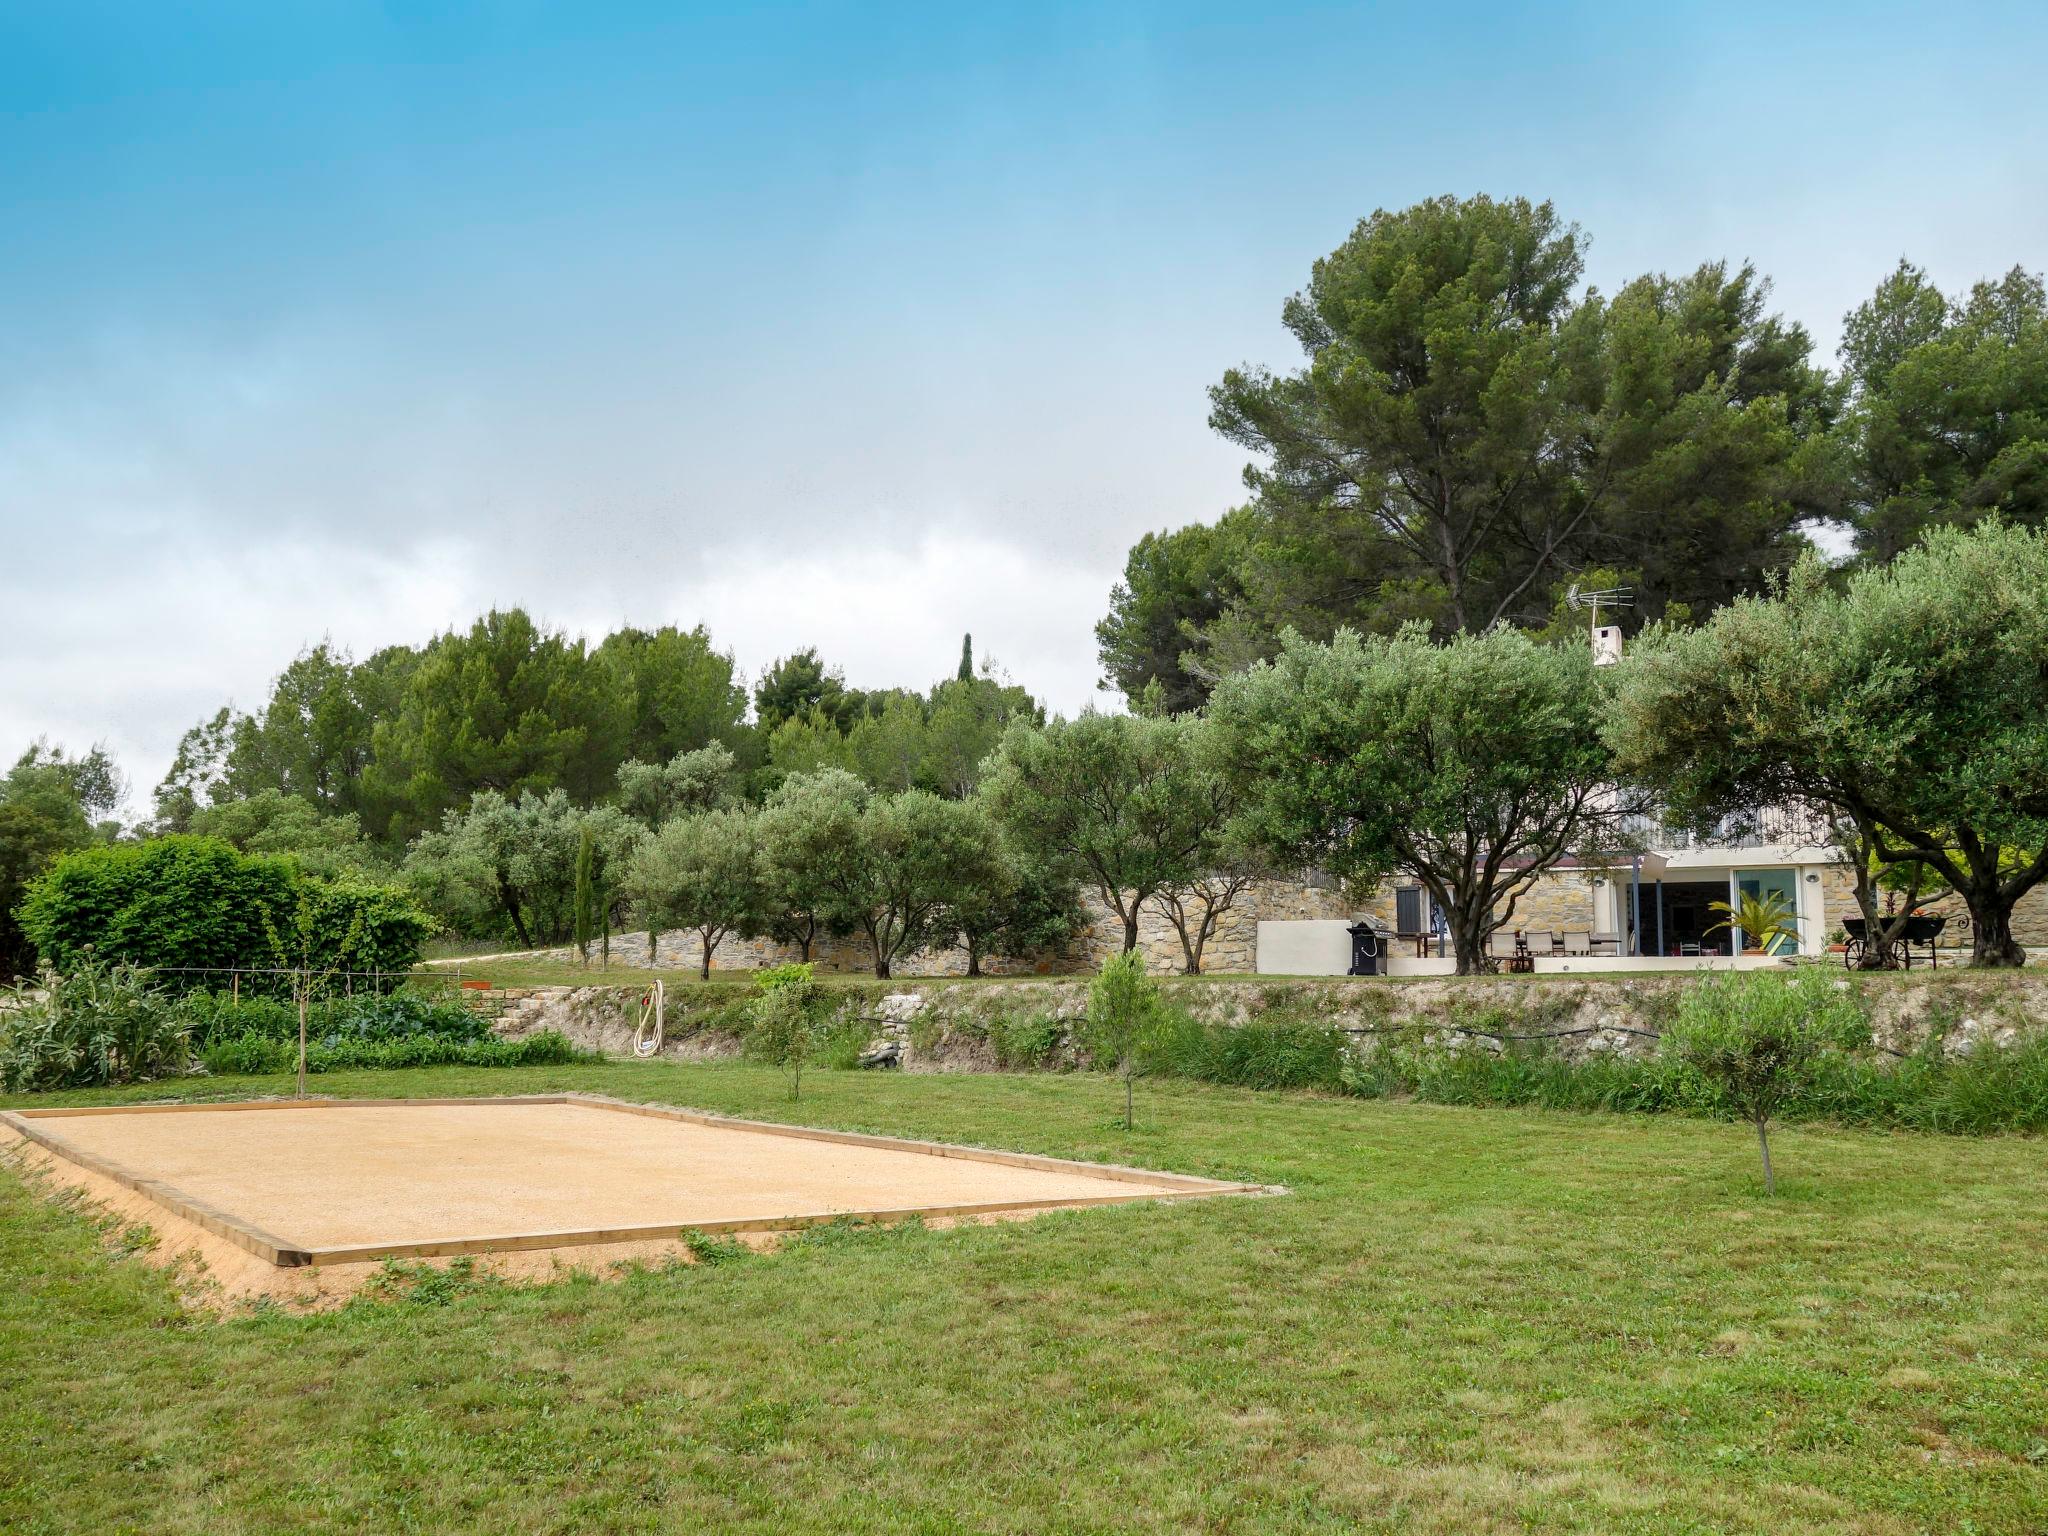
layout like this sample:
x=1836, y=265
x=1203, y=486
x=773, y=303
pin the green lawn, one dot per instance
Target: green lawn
x=1460, y=1321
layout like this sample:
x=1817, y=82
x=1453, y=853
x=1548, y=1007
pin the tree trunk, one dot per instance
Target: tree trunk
x=704, y=965
x=973, y=961
x=1468, y=940
x=881, y=966
x=510, y=900
x=1763, y=1145
x=1991, y=940
x=1131, y=928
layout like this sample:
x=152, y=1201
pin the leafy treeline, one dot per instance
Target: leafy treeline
x=1471, y=431
x=397, y=739
x=50, y=803
x=379, y=750
x=508, y=773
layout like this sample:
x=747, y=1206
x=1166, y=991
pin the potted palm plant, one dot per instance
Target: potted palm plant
x=1764, y=919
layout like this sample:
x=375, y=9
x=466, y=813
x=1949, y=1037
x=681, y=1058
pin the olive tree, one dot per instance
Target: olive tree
x=1227, y=861
x=1755, y=1038
x=1911, y=699
x=1020, y=908
x=916, y=854
x=810, y=841
x=1472, y=766
x=701, y=873
x=699, y=780
x=1125, y=1015
x=1120, y=801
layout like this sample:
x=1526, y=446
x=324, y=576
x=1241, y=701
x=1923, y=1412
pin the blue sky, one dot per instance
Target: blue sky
x=854, y=326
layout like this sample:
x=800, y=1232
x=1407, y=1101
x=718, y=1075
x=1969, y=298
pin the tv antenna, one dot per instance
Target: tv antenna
x=1578, y=597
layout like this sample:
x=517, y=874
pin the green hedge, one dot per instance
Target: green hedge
x=403, y=1015
x=258, y=1054
x=179, y=905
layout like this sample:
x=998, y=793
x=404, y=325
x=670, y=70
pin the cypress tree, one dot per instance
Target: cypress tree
x=586, y=893
x=966, y=672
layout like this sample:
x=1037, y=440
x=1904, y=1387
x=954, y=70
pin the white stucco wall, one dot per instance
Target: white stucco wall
x=1304, y=947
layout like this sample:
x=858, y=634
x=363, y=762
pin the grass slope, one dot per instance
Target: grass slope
x=1462, y=1320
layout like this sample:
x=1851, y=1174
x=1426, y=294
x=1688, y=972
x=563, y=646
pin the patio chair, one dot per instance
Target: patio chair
x=1539, y=940
x=1578, y=941
x=1500, y=944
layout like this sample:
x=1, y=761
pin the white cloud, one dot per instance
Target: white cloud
x=169, y=628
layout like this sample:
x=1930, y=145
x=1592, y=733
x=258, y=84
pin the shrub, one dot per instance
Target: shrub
x=1757, y=1037
x=216, y=1017
x=1275, y=1053
x=257, y=1054
x=1025, y=1041
x=783, y=1019
x=103, y=1023
x=1126, y=1016
x=188, y=904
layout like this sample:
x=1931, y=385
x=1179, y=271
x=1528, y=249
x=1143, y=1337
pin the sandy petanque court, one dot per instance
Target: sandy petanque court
x=305, y=1198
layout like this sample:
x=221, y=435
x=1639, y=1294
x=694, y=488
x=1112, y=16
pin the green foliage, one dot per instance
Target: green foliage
x=104, y=1022
x=1126, y=1016
x=701, y=873
x=685, y=696
x=800, y=685
x=505, y=706
x=271, y=821
x=1472, y=765
x=181, y=904
x=810, y=842
x=1950, y=415
x=1021, y=908
x=783, y=1019
x=42, y=815
x=1026, y=1041
x=1122, y=802
x=1753, y=1036
x=310, y=744
x=256, y=1055
x=1765, y=920
x=699, y=780
x=586, y=892
x=916, y=855
x=1176, y=588
x=510, y=865
x=213, y=1017
x=1909, y=700
x=1466, y=426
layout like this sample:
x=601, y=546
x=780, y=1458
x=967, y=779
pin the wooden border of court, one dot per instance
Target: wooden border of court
x=287, y=1254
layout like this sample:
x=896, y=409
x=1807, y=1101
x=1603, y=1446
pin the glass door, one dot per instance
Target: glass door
x=1758, y=885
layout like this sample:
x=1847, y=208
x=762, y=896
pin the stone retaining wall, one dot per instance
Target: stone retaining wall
x=948, y=1026
x=1561, y=901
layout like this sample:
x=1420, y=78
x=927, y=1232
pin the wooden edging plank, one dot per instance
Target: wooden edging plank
x=320, y=1101
x=242, y=1234
x=514, y=1242
x=1030, y=1160
x=284, y=1253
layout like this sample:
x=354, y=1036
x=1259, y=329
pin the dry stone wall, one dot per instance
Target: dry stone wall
x=1561, y=901
x=940, y=1026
